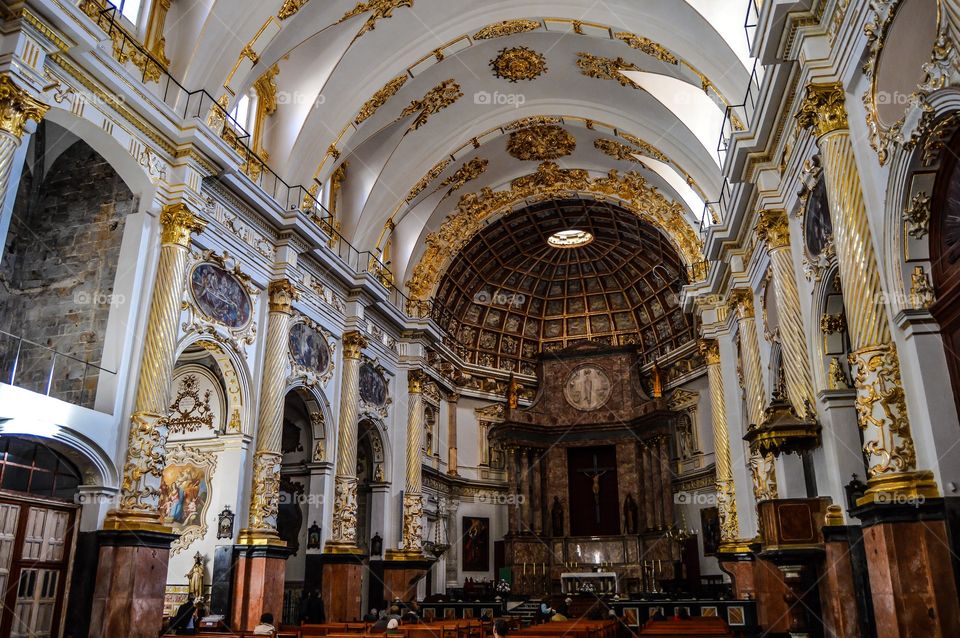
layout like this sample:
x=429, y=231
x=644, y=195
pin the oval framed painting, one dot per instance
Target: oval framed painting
x=309, y=348
x=220, y=295
x=373, y=386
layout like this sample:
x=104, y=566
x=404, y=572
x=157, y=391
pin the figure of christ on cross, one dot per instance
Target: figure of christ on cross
x=595, y=473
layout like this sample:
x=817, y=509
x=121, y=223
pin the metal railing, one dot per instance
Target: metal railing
x=739, y=117
x=752, y=21
x=32, y=366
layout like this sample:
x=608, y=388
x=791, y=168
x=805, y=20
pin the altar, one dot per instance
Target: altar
x=589, y=582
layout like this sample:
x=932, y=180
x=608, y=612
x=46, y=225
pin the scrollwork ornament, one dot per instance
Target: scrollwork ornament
x=916, y=216
x=344, y=529
x=507, y=27
x=146, y=451
x=518, y=63
x=413, y=522
x=882, y=411
x=265, y=501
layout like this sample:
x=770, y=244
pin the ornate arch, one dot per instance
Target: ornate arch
x=379, y=447
x=318, y=407
x=474, y=210
x=240, y=419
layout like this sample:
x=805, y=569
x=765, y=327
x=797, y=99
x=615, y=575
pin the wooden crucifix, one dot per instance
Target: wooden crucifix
x=595, y=473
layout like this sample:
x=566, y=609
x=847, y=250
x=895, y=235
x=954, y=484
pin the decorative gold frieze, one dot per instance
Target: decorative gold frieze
x=17, y=107
x=436, y=99
x=596, y=66
x=378, y=10
x=549, y=180
x=265, y=499
x=533, y=120
x=507, y=27
x=646, y=148
x=290, y=8
x=470, y=171
x=823, y=109
x=380, y=98
x=646, y=45
x=836, y=377
x=424, y=181
x=545, y=142
x=518, y=63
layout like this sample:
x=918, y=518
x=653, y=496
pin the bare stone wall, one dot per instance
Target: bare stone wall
x=58, y=270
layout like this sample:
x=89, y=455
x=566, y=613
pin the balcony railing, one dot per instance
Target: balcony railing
x=739, y=117
x=41, y=369
x=752, y=21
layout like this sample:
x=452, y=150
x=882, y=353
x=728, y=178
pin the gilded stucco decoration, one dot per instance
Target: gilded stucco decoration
x=602, y=68
x=424, y=181
x=916, y=216
x=380, y=98
x=518, y=63
x=549, y=181
x=507, y=27
x=378, y=10
x=617, y=150
x=196, y=321
x=470, y=171
x=290, y=8
x=942, y=69
x=541, y=142
x=436, y=99
x=648, y=46
x=17, y=107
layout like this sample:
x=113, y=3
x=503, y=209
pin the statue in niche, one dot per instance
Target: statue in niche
x=556, y=514
x=685, y=436
x=195, y=577
x=630, y=515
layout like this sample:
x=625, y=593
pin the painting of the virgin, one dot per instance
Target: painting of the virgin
x=184, y=494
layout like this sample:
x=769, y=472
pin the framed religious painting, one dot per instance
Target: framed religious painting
x=220, y=295
x=710, y=524
x=373, y=388
x=310, y=350
x=185, y=493
x=476, y=544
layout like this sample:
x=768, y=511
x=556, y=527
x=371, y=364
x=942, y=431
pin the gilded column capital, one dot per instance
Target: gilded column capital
x=353, y=344
x=17, y=107
x=178, y=223
x=415, y=379
x=282, y=295
x=823, y=108
x=710, y=349
x=453, y=397
x=741, y=302
x=773, y=228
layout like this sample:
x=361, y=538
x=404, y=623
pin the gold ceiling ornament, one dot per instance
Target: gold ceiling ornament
x=507, y=27
x=542, y=142
x=424, y=181
x=290, y=8
x=823, y=109
x=380, y=98
x=549, y=181
x=602, y=68
x=533, y=120
x=378, y=10
x=470, y=171
x=646, y=45
x=616, y=150
x=646, y=148
x=518, y=63
x=17, y=106
x=436, y=99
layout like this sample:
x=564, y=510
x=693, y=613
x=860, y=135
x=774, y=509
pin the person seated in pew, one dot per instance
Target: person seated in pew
x=381, y=625
x=394, y=613
x=412, y=615
x=371, y=616
x=545, y=610
x=500, y=628
x=561, y=614
x=266, y=627
x=393, y=627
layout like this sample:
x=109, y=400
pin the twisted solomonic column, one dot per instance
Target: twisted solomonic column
x=726, y=493
x=762, y=467
x=881, y=404
x=147, y=440
x=343, y=535
x=452, y=435
x=412, y=538
x=774, y=230
x=16, y=108
x=265, y=492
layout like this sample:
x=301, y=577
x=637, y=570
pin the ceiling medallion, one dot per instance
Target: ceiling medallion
x=570, y=238
x=546, y=142
x=518, y=63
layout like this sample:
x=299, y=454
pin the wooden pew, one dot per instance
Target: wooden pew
x=695, y=626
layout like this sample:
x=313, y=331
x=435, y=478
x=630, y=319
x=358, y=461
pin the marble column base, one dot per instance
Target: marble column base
x=342, y=586
x=259, y=575
x=131, y=578
x=760, y=580
x=838, y=591
x=400, y=578
x=911, y=575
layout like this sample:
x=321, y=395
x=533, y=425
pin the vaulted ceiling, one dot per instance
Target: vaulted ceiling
x=418, y=108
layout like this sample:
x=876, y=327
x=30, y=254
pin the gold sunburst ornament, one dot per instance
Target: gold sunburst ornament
x=518, y=63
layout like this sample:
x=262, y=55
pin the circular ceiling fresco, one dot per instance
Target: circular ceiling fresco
x=509, y=294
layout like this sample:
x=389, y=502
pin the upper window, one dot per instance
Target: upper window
x=241, y=112
x=130, y=9
x=26, y=466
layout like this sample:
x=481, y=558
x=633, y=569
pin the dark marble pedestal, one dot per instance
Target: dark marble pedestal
x=342, y=583
x=259, y=574
x=131, y=577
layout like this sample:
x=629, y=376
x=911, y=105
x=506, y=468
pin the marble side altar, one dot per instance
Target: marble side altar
x=589, y=582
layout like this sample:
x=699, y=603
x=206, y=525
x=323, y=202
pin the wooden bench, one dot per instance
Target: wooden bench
x=697, y=626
